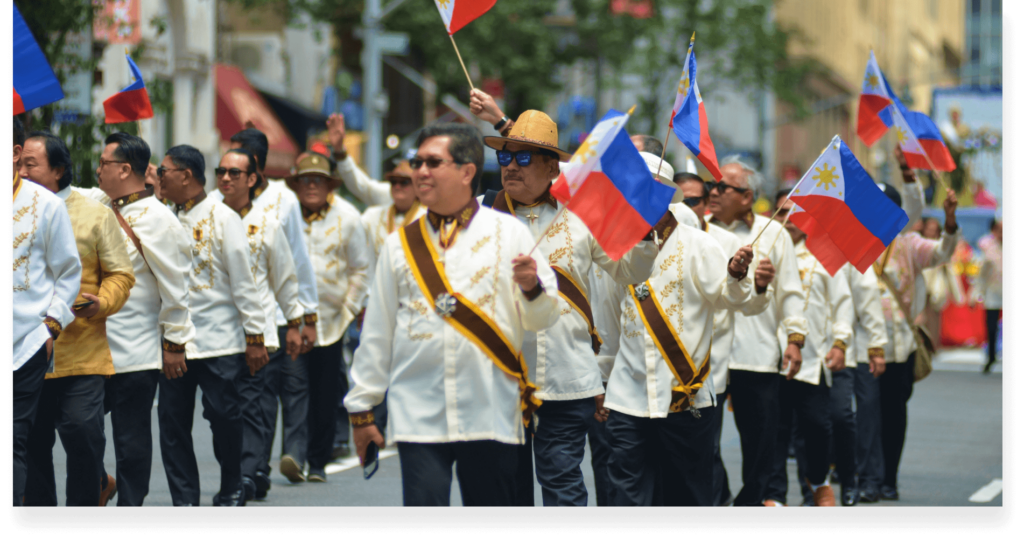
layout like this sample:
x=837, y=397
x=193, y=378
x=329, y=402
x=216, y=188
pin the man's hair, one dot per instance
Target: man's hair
x=251, y=169
x=19, y=133
x=464, y=144
x=57, y=155
x=189, y=157
x=755, y=180
x=131, y=149
x=650, y=144
x=779, y=195
x=255, y=142
x=682, y=177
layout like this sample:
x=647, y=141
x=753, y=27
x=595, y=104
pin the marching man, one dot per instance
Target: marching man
x=454, y=294
x=563, y=359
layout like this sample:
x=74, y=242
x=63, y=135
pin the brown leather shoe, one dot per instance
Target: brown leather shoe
x=824, y=497
x=108, y=493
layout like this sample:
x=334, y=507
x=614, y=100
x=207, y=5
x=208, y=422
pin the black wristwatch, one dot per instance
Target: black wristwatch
x=501, y=123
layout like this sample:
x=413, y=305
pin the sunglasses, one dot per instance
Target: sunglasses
x=692, y=201
x=400, y=181
x=234, y=173
x=432, y=163
x=160, y=171
x=721, y=186
x=523, y=157
x=316, y=181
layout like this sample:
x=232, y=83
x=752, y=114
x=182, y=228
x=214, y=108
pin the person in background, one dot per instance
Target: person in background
x=337, y=246
x=370, y=191
x=230, y=323
x=148, y=335
x=72, y=397
x=47, y=276
x=989, y=285
x=647, y=143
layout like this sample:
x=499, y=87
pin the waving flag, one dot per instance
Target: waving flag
x=459, y=13
x=607, y=184
x=873, y=116
x=689, y=121
x=818, y=241
x=839, y=199
x=872, y=125
x=131, y=103
x=35, y=85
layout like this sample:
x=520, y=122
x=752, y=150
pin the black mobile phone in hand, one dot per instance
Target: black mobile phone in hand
x=370, y=463
x=82, y=305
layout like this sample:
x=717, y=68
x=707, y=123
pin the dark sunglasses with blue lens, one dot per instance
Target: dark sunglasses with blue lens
x=522, y=157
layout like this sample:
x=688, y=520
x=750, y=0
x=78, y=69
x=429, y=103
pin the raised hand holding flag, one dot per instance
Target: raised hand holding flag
x=458, y=13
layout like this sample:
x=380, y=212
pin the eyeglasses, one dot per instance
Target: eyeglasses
x=234, y=173
x=316, y=181
x=721, y=186
x=523, y=157
x=432, y=163
x=161, y=170
x=105, y=162
x=400, y=181
x=692, y=201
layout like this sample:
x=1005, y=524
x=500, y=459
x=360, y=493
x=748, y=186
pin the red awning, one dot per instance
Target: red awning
x=237, y=103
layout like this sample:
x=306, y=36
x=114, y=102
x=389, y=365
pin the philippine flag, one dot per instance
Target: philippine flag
x=131, y=103
x=689, y=121
x=839, y=198
x=35, y=85
x=873, y=116
x=607, y=184
x=459, y=13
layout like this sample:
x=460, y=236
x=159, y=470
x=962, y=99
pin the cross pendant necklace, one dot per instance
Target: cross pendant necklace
x=532, y=217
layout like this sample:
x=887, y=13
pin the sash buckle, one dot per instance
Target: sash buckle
x=445, y=304
x=642, y=292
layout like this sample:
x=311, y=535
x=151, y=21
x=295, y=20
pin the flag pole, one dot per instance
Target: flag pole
x=938, y=174
x=668, y=132
x=463, y=64
x=793, y=189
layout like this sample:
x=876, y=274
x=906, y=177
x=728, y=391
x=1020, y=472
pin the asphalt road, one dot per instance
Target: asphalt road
x=954, y=450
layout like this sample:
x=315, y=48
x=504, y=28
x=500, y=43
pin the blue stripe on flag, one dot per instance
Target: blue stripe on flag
x=869, y=204
x=33, y=77
x=622, y=163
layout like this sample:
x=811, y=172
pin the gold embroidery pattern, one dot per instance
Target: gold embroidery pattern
x=420, y=308
x=480, y=243
x=480, y=275
x=634, y=334
x=492, y=297
x=256, y=236
x=26, y=258
x=203, y=243
x=19, y=239
x=630, y=313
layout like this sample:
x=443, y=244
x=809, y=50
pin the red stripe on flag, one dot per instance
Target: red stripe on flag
x=870, y=127
x=467, y=10
x=127, y=107
x=819, y=243
x=939, y=154
x=707, y=148
x=616, y=225
x=835, y=217
x=19, y=106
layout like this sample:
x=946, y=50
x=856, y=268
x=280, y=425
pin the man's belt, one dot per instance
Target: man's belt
x=569, y=290
x=462, y=314
x=671, y=348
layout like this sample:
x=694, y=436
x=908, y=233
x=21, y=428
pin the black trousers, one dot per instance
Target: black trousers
x=27, y=388
x=843, y=446
x=524, y=470
x=661, y=461
x=810, y=404
x=559, y=444
x=486, y=471
x=341, y=426
x=720, y=478
x=600, y=452
x=896, y=385
x=72, y=405
x=992, y=327
x=323, y=364
x=755, y=403
x=256, y=427
x=218, y=377
x=288, y=382
x=867, y=391
x=129, y=399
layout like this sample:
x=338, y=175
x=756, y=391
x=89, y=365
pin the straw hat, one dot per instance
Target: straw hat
x=533, y=128
x=402, y=170
x=663, y=174
x=313, y=165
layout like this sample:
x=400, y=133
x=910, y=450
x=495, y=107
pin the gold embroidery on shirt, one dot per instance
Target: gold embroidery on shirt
x=203, y=243
x=492, y=297
x=557, y=254
x=630, y=313
x=566, y=311
x=480, y=243
x=19, y=239
x=26, y=258
x=256, y=236
x=480, y=275
x=634, y=334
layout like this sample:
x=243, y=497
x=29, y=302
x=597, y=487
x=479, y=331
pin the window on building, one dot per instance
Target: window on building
x=976, y=7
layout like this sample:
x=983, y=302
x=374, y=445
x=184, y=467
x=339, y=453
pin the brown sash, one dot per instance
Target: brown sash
x=131, y=234
x=462, y=314
x=573, y=294
x=671, y=348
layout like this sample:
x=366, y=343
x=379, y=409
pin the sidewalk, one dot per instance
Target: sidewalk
x=964, y=360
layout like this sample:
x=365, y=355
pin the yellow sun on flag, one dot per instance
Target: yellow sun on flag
x=826, y=176
x=872, y=81
x=901, y=135
x=586, y=151
x=443, y=3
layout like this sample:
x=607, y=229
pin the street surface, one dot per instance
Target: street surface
x=953, y=456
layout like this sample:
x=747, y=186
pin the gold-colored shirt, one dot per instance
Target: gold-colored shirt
x=82, y=347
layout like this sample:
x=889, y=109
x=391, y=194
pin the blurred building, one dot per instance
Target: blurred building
x=919, y=45
x=983, y=61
